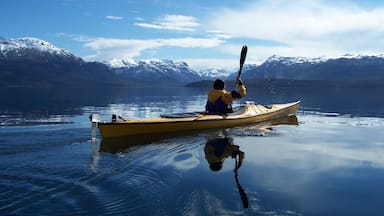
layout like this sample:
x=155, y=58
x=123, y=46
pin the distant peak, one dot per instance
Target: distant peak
x=294, y=60
x=120, y=63
x=31, y=43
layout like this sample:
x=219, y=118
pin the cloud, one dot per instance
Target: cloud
x=108, y=48
x=114, y=17
x=172, y=22
x=282, y=27
x=311, y=28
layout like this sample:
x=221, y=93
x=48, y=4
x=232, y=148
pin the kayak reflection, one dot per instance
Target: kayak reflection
x=217, y=150
x=126, y=144
x=129, y=143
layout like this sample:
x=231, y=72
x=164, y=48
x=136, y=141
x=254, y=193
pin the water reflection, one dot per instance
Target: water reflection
x=51, y=104
x=130, y=143
x=217, y=150
x=19, y=106
x=217, y=146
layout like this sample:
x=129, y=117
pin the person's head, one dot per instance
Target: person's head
x=216, y=166
x=219, y=84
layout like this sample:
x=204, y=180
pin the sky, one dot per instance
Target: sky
x=202, y=33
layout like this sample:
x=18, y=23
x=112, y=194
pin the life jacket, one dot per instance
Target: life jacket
x=218, y=107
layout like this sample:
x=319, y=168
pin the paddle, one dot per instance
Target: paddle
x=243, y=55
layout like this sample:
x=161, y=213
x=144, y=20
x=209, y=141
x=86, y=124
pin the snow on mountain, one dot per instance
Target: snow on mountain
x=120, y=63
x=154, y=70
x=214, y=73
x=125, y=63
x=37, y=45
x=360, y=56
x=301, y=60
x=294, y=60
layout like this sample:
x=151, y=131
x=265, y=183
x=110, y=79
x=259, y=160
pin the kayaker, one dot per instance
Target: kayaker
x=220, y=100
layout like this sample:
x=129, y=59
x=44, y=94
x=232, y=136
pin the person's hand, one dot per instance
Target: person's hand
x=239, y=81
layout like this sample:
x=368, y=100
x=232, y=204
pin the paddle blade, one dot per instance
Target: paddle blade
x=243, y=55
x=242, y=58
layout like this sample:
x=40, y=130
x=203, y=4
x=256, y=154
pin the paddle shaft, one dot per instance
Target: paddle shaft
x=243, y=195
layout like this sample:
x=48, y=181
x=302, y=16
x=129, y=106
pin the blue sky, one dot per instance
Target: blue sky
x=202, y=33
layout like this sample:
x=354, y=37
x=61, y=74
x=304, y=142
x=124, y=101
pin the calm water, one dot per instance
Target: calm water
x=332, y=163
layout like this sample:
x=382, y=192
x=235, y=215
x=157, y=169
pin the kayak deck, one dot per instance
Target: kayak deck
x=245, y=114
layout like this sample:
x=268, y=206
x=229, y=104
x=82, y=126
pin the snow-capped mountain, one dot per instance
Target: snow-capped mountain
x=304, y=60
x=347, y=67
x=16, y=48
x=214, y=73
x=154, y=70
x=294, y=60
x=36, y=63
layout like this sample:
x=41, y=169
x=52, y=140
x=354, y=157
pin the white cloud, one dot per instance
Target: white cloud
x=310, y=28
x=172, y=22
x=114, y=17
x=282, y=27
x=107, y=48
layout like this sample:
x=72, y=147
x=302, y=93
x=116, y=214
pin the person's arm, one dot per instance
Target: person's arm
x=241, y=90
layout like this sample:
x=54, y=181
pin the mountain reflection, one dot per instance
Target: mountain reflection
x=41, y=102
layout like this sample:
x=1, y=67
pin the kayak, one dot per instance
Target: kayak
x=128, y=143
x=244, y=114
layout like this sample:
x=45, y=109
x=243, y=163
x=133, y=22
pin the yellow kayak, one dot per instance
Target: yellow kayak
x=244, y=114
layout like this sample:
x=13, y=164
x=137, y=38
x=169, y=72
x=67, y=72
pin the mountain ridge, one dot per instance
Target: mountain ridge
x=34, y=62
x=154, y=69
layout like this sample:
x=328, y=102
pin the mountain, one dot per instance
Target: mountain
x=36, y=63
x=32, y=49
x=344, y=68
x=31, y=62
x=214, y=73
x=154, y=70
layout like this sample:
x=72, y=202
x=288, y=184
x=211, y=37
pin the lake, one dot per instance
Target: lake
x=329, y=160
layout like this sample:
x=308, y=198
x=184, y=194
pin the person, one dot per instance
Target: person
x=220, y=100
